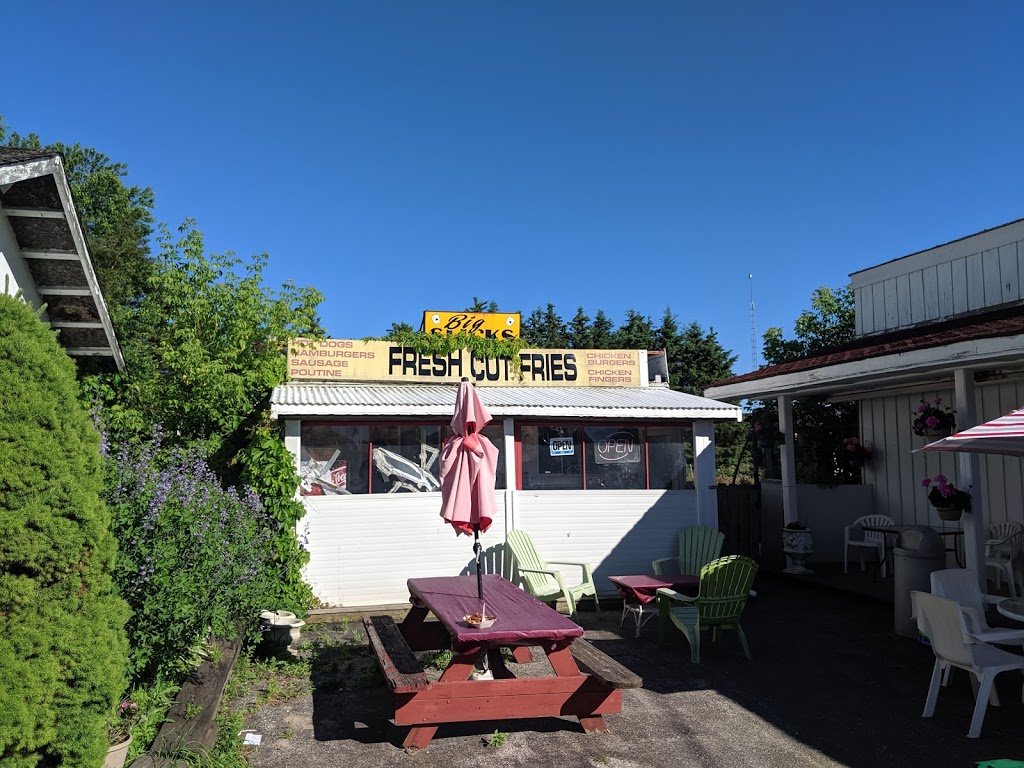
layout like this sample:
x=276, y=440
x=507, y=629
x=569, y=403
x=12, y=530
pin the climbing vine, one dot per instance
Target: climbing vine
x=484, y=347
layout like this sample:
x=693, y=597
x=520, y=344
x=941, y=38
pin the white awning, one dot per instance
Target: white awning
x=325, y=401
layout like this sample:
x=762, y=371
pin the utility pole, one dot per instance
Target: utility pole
x=753, y=326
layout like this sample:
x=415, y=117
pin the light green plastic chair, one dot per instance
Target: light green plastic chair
x=698, y=546
x=724, y=590
x=544, y=582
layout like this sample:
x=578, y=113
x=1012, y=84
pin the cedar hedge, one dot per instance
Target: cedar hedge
x=62, y=647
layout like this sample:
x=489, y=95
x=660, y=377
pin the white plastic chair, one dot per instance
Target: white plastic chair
x=1001, y=549
x=961, y=585
x=869, y=540
x=942, y=622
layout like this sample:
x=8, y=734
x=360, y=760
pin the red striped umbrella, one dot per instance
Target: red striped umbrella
x=1004, y=435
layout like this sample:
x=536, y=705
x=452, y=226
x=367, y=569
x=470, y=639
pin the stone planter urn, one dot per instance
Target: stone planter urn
x=798, y=544
x=281, y=629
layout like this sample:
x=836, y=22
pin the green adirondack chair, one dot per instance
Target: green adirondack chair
x=544, y=582
x=698, y=546
x=724, y=590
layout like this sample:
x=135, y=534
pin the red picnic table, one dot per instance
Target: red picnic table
x=522, y=622
x=639, y=590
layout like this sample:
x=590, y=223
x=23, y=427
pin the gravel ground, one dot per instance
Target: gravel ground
x=830, y=684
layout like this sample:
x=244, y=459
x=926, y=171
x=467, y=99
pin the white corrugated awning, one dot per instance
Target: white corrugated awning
x=325, y=401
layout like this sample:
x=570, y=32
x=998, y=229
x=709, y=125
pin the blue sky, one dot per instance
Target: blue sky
x=402, y=156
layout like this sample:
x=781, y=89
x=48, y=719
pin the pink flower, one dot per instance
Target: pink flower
x=932, y=422
x=926, y=482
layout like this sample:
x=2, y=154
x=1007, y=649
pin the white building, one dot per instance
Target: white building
x=598, y=463
x=945, y=322
x=43, y=253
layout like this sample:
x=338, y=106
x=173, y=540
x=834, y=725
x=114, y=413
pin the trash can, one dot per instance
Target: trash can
x=918, y=551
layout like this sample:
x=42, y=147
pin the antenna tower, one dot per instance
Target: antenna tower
x=753, y=326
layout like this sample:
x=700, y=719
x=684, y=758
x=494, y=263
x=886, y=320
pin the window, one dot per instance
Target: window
x=615, y=458
x=670, y=457
x=605, y=457
x=379, y=458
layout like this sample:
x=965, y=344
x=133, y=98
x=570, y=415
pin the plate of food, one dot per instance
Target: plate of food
x=479, y=621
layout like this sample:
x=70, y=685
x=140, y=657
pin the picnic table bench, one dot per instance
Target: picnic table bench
x=523, y=623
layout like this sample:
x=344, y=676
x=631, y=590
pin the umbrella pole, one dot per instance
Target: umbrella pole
x=480, y=590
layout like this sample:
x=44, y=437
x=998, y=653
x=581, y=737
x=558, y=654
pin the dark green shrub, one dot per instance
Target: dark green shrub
x=62, y=648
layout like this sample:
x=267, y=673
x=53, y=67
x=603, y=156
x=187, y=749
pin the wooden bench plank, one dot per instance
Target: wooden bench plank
x=603, y=667
x=398, y=663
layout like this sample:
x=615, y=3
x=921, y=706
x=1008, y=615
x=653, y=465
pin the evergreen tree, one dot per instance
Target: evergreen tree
x=544, y=329
x=637, y=332
x=62, y=647
x=601, y=336
x=579, y=333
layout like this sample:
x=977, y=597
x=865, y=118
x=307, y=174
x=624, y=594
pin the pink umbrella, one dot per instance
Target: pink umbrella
x=1004, y=435
x=469, y=464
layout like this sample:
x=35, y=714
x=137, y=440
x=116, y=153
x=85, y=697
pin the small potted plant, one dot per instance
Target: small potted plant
x=798, y=544
x=948, y=500
x=934, y=419
x=854, y=452
x=119, y=733
x=764, y=430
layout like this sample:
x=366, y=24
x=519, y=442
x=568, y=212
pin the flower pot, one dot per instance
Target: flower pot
x=117, y=753
x=798, y=544
x=937, y=432
x=949, y=513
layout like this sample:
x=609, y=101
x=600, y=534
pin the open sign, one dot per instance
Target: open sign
x=561, y=446
x=621, y=447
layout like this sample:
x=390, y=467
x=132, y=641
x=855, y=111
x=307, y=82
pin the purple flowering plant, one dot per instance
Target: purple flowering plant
x=933, y=415
x=943, y=493
x=194, y=559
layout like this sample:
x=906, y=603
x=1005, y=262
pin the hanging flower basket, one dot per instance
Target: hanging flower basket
x=949, y=512
x=934, y=419
x=948, y=500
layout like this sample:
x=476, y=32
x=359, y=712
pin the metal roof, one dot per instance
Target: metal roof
x=370, y=400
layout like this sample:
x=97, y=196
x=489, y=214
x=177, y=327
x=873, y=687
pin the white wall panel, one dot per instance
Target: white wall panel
x=1009, y=274
x=896, y=472
x=363, y=548
x=942, y=282
x=617, y=532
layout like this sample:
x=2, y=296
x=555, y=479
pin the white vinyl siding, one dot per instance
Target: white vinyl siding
x=896, y=473
x=978, y=272
x=364, y=548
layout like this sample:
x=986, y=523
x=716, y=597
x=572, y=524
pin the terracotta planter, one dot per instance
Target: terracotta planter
x=117, y=753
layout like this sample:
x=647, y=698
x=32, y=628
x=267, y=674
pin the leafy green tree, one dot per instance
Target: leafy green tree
x=397, y=329
x=62, y=647
x=821, y=425
x=117, y=218
x=207, y=344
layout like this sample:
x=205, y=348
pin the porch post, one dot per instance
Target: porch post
x=789, y=504
x=705, y=479
x=969, y=466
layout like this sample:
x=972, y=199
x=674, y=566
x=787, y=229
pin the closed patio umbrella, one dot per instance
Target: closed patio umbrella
x=1004, y=435
x=469, y=464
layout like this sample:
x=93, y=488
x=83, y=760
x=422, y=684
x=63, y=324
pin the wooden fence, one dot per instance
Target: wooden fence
x=739, y=518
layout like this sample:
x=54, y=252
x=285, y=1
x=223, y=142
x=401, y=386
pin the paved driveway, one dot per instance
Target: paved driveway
x=830, y=684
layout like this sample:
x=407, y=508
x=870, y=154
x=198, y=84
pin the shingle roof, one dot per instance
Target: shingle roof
x=12, y=155
x=1007, y=321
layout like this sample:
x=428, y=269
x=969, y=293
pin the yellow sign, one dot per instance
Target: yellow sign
x=352, y=360
x=497, y=325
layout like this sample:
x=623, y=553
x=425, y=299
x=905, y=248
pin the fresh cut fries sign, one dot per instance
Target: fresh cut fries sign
x=353, y=360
